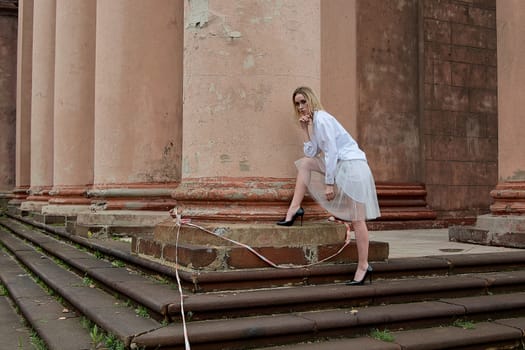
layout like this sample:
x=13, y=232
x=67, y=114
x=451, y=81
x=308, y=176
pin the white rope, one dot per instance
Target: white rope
x=262, y=257
x=178, y=222
x=187, y=222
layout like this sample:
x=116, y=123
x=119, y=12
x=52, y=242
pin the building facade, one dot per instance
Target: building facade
x=144, y=106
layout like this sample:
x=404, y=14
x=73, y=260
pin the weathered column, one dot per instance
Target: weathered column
x=42, y=104
x=23, y=101
x=73, y=106
x=242, y=62
x=138, y=106
x=505, y=225
x=509, y=195
x=8, y=45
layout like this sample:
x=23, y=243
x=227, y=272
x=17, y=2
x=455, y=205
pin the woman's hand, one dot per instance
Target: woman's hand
x=305, y=120
x=329, y=192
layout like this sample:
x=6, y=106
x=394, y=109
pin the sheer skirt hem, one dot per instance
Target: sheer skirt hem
x=355, y=192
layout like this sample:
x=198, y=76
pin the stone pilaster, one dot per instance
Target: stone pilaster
x=23, y=101
x=74, y=106
x=42, y=105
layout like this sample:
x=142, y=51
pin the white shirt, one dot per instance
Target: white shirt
x=329, y=136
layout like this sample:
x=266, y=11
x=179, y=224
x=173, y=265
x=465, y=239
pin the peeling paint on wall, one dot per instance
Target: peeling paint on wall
x=519, y=175
x=199, y=13
x=244, y=165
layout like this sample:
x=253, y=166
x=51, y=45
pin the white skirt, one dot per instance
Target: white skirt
x=355, y=191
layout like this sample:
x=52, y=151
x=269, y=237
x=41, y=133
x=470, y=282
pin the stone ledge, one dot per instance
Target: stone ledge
x=495, y=230
x=294, y=246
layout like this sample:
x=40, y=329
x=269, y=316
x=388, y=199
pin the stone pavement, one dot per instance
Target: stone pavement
x=428, y=242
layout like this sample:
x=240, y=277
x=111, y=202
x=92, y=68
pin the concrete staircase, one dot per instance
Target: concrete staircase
x=78, y=293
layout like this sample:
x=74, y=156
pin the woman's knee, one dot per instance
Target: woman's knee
x=308, y=163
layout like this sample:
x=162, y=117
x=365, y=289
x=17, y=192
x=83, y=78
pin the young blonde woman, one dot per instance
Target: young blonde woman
x=336, y=173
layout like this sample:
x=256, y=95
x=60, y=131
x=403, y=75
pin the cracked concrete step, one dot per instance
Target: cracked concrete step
x=100, y=307
x=59, y=328
x=145, y=291
x=309, y=325
x=497, y=334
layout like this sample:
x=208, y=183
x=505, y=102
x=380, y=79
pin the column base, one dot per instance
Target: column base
x=104, y=223
x=145, y=197
x=265, y=200
x=292, y=246
x=19, y=195
x=509, y=198
x=5, y=197
x=33, y=206
x=504, y=231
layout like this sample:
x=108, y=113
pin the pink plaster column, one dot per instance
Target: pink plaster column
x=42, y=104
x=138, y=103
x=23, y=101
x=73, y=105
x=509, y=194
x=8, y=45
x=243, y=59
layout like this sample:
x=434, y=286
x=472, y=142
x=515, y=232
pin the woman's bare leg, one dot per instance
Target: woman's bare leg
x=303, y=177
x=361, y=239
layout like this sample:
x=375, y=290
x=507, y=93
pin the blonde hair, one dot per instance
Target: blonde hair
x=310, y=96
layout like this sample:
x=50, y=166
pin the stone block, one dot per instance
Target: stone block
x=348, y=254
x=255, y=235
x=483, y=101
x=451, y=98
x=460, y=73
x=295, y=246
x=149, y=247
x=442, y=72
x=509, y=239
x=469, y=235
x=437, y=31
x=466, y=35
x=473, y=55
x=445, y=11
x=189, y=255
x=242, y=258
x=502, y=223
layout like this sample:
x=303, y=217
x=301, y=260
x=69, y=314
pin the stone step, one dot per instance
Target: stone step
x=417, y=293
x=14, y=334
x=496, y=334
x=352, y=322
x=164, y=300
x=142, y=290
x=385, y=291
x=59, y=327
x=102, y=308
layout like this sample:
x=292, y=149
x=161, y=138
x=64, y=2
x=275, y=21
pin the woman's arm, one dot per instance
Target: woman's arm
x=310, y=145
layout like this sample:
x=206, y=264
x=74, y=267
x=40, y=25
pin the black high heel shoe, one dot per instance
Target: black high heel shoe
x=299, y=212
x=368, y=272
